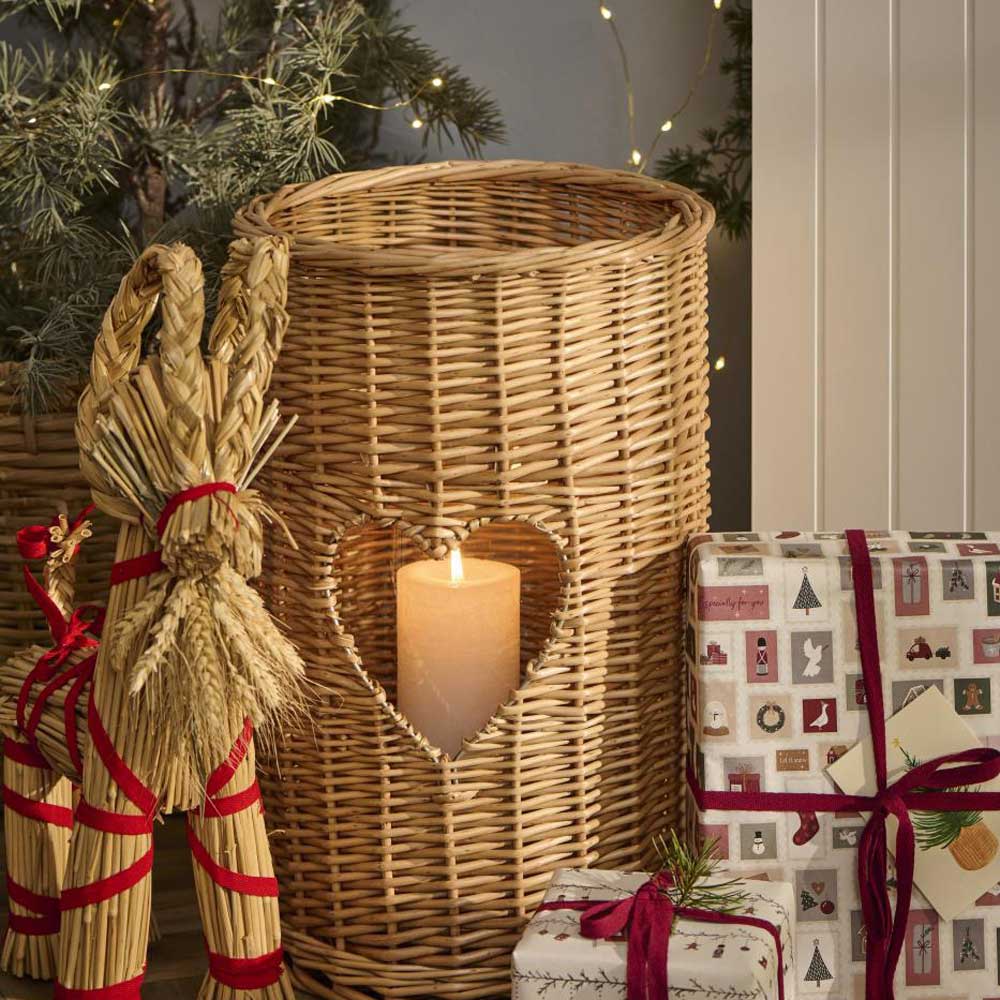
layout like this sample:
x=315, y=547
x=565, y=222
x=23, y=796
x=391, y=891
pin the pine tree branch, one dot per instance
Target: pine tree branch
x=138, y=121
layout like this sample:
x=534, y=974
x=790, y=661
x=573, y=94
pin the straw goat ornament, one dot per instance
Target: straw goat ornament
x=162, y=716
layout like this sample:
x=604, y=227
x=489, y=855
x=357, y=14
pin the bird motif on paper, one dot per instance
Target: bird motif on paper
x=823, y=719
x=813, y=654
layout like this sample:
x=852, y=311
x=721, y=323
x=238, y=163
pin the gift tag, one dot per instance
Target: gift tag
x=957, y=853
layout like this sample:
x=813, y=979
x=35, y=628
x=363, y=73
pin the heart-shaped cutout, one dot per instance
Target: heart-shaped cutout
x=367, y=558
x=818, y=887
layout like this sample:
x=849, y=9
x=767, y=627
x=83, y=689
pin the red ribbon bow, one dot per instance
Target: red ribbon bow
x=887, y=931
x=646, y=919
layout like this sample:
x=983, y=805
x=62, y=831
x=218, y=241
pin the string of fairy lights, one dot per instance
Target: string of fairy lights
x=637, y=159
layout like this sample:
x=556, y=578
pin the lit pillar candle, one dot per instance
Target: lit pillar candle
x=458, y=644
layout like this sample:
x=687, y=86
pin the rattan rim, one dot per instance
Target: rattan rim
x=687, y=222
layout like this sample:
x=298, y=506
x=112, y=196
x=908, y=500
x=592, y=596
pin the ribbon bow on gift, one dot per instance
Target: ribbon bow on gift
x=646, y=919
x=886, y=931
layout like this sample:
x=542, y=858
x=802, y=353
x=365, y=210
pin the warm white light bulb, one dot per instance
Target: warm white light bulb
x=327, y=98
x=636, y=157
x=720, y=362
x=104, y=86
x=667, y=126
x=457, y=570
x=606, y=13
x=31, y=121
x=718, y=4
x=417, y=123
x=270, y=81
x=437, y=82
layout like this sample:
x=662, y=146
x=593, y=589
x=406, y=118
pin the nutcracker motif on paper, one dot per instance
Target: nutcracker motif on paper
x=795, y=704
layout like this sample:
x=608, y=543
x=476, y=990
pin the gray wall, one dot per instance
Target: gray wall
x=554, y=69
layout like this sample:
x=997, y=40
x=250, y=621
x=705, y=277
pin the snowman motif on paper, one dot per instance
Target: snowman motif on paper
x=813, y=654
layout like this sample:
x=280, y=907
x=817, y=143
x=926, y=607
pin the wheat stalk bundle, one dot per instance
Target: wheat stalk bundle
x=173, y=444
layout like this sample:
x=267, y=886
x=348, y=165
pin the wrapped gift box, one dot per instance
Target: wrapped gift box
x=553, y=961
x=776, y=695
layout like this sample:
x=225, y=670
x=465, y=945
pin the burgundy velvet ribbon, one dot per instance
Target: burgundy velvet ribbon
x=929, y=786
x=646, y=920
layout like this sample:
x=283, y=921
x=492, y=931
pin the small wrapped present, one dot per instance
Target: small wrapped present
x=605, y=935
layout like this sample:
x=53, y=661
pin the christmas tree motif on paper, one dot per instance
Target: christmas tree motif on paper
x=817, y=972
x=970, y=841
x=968, y=952
x=806, y=599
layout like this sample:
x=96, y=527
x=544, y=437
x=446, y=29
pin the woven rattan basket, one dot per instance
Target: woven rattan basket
x=39, y=475
x=511, y=355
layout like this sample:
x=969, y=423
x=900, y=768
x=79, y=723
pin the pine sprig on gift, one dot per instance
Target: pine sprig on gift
x=693, y=876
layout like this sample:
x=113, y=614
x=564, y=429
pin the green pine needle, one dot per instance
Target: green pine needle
x=693, y=876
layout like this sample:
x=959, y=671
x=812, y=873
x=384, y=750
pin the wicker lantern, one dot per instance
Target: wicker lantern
x=510, y=356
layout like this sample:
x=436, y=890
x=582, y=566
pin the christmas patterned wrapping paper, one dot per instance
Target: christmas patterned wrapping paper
x=553, y=961
x=776, y=695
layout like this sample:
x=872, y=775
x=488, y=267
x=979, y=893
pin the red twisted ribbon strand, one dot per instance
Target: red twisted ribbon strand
x=189, y=496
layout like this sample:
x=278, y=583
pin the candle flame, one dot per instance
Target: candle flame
x=457, y=572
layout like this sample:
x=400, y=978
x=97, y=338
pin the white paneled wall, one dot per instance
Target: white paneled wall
x=876, y=264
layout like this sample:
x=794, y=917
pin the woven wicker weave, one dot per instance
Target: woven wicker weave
x=39, y=475
x=512, y=355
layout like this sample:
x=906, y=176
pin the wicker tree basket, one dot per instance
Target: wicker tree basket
x=39, y=475
x=510, y=355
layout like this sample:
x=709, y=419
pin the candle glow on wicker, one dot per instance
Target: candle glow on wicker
x=458, y=626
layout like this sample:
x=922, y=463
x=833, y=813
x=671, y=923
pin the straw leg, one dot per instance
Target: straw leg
x=36, y=854
x=238, y=925
x=103, y=944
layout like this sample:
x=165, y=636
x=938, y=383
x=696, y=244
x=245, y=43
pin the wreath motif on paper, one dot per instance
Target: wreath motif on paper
x=774, y=713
